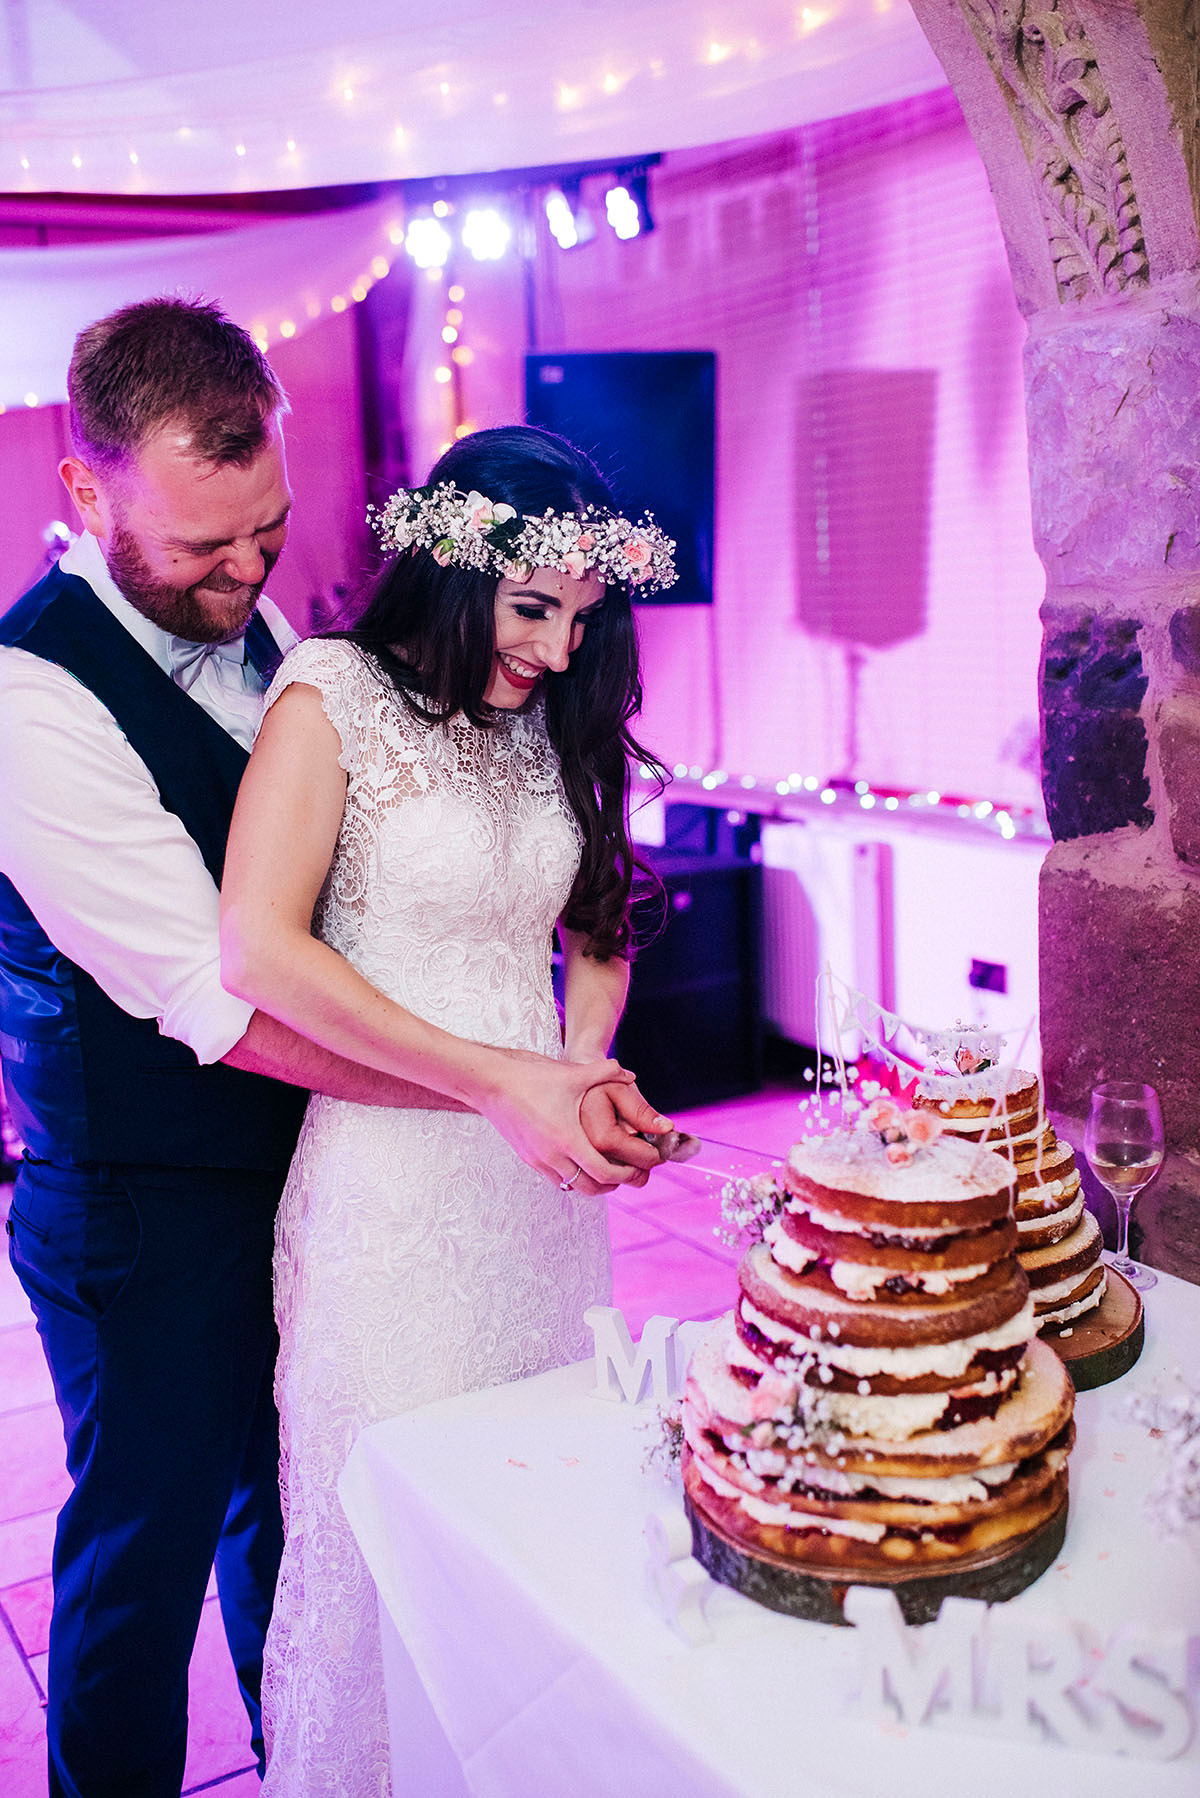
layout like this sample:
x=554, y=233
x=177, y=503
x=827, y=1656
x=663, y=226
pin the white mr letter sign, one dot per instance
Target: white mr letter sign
x=654, y=1370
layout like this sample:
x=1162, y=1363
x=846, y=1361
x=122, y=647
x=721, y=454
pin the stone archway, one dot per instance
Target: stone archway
x=1085, y=113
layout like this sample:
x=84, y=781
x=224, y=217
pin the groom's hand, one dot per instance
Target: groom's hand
x=614, y=1116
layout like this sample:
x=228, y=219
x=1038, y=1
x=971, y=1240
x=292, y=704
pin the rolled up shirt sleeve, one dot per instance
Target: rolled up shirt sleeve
x=112, y=877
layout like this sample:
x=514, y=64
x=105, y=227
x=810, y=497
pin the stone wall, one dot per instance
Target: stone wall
x=1085, y=115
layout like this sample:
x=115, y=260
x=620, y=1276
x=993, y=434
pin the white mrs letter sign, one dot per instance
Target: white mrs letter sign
x=659, y=1361
x=999, y=1672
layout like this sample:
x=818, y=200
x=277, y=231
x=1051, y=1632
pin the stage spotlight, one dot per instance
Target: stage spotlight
x=427, y=242
x=621, y=210
x=621, y=213
x=570, y=223
x=486, y=233
x=627, y=204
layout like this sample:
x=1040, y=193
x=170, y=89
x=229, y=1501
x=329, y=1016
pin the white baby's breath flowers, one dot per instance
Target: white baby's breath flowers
x=748, y=1205
x=1173, y=1419
x=469, y=530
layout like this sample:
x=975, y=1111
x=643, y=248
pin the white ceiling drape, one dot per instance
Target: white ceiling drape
x=217, y=96
x=275, y=279
x=213, y=96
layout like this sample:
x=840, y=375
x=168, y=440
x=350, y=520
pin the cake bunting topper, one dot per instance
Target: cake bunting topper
x=967, y=1058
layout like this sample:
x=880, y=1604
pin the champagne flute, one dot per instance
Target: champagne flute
x=1123, y=1142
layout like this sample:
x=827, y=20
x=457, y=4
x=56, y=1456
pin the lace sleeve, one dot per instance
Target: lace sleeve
x=335, y=668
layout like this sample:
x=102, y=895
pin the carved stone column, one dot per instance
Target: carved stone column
x=1085, y=114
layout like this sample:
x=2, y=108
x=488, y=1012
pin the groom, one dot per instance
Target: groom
x=158, y=1112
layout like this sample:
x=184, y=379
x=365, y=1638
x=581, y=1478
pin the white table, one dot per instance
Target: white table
x=504, y=1532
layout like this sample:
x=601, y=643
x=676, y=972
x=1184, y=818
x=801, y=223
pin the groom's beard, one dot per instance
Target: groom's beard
x=214, y=610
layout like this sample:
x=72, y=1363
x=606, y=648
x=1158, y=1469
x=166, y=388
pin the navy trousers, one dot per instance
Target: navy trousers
x=152, y=1293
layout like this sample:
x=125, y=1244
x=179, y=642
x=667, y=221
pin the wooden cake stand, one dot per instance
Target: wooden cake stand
x=1103, y=1344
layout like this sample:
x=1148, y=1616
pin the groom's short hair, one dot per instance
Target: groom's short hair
x=170, y=361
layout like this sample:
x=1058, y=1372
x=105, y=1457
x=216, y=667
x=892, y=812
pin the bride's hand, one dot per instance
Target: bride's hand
x=535, y=1102
x=617, y=1120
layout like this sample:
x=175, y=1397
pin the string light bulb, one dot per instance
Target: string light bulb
x=981, y=815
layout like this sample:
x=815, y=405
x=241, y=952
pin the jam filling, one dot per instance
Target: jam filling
x=969, y=1408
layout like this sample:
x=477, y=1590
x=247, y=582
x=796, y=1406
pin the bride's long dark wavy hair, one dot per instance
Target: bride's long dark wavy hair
x=432, y=631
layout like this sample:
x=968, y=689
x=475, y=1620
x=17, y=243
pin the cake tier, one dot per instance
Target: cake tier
x=819, y=1546
x=864, y=1265
x=941, y=1399
x=999, y=1108
x=743, y=1388
x=809, y=1309
x=793, y=1473
x=847, y=1183
x=1050, y=1176
x=1071, y=1256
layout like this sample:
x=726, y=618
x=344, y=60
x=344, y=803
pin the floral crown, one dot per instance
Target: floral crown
x=469, y=530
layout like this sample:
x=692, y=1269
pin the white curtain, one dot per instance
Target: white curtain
x=275, y=279
x=127, y=96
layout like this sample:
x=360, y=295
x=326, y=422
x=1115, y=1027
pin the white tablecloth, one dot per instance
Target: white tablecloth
x=504, y=1532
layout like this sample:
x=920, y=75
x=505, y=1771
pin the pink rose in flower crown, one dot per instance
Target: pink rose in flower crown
x=586, y=540
x=482, y=514
x=922, y=1127
x=479, y=511
x=636, y=551
x=575, y=562
x=443, y=552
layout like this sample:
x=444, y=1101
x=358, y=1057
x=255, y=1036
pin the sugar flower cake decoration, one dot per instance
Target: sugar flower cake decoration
x=469, y=530
x=903, y=1133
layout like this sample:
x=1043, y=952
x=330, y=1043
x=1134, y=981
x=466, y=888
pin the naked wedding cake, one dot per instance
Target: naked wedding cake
x=877, y=1407
x=1059, y=1241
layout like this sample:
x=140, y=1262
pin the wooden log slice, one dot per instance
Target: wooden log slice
x=1101, y=1345
x=818, y=1594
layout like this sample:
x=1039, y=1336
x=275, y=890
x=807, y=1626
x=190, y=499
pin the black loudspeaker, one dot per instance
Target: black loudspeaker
x=647, y=418
x=692, y=1029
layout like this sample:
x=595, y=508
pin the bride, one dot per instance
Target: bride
x=432, y=793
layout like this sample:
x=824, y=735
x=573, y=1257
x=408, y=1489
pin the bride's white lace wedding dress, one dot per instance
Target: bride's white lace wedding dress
x=416, y=1255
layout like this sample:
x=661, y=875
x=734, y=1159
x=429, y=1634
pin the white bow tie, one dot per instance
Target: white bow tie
x=188, y=659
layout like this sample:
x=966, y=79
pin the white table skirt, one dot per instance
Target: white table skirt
x=504, y=1533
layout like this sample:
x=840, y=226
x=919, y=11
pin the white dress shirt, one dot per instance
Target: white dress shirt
x=112, y=877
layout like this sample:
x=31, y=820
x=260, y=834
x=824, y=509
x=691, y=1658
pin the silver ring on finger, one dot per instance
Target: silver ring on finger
x=566, y=1185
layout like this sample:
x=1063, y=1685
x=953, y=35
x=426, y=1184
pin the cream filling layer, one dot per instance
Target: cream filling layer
x=763, y=1512
x=902, y=1233
x=949, y=1360
x=945, y=1489
x=897, y=1416
x=1061, y=1289
x=1066, y=1312
x=860, y=1280
x=1073, y=1211
x=960, y=1126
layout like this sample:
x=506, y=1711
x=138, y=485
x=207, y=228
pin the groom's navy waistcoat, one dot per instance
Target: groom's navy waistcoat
x=86, y=1082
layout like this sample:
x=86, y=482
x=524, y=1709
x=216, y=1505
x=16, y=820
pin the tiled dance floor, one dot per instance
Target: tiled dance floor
x=666, y=1258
